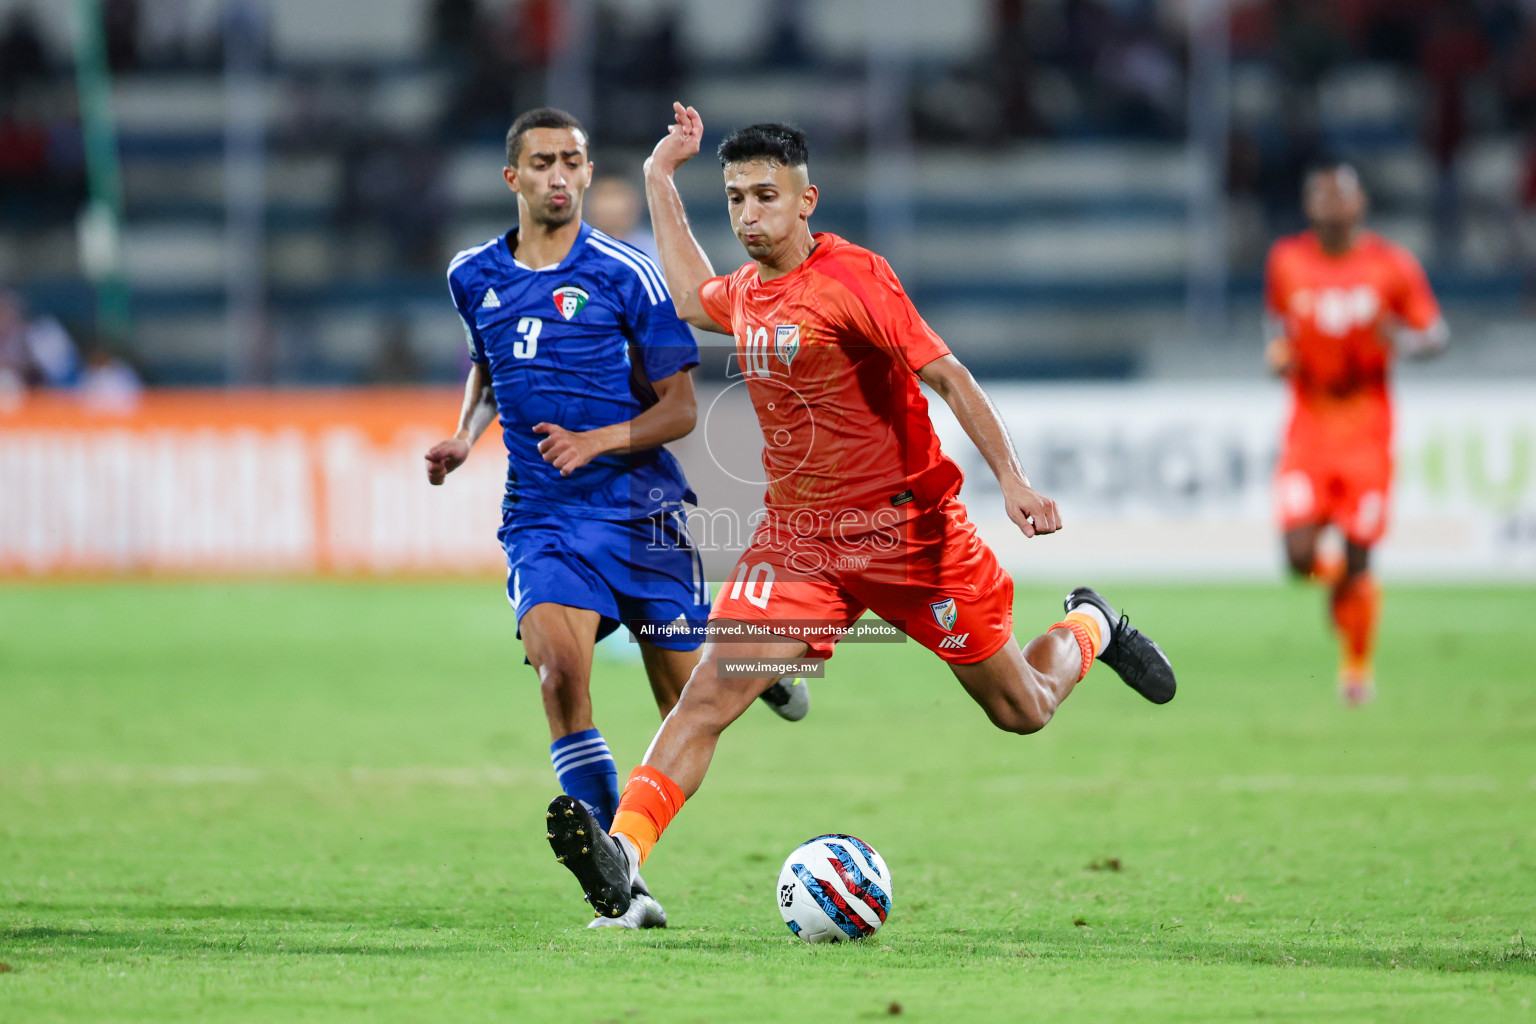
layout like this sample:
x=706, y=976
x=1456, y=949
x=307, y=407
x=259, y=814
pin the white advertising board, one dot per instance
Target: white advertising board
x=1174, y=480
x=1155, y=481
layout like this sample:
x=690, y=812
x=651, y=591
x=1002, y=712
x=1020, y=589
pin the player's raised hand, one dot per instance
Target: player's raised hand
x=1031, y=511
x=445, y=457
x=681, y=143
x=566, y=450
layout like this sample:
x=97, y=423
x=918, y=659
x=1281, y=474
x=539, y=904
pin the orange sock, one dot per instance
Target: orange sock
x=649, y=803
x=1356, y=611
x=1090, y=638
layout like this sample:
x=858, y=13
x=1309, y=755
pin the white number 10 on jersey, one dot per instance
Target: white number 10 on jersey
x=528, y=345
x=755, y=354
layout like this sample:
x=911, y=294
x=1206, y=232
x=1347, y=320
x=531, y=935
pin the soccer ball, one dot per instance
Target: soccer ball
x=834, y=887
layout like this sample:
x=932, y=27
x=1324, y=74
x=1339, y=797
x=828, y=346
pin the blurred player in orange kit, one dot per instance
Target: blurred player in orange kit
x=861, y=509
x=1342, y=302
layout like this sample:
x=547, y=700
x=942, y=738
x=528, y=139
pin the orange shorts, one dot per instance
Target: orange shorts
x=932, y=577
x=1351, y=493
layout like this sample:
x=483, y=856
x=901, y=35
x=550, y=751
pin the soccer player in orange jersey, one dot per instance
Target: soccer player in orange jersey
x=1341, y=303
x=861, y=508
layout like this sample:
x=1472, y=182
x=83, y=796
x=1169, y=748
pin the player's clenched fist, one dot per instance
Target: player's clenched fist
x=445, y=457
x=1030, y=510
x=681, y=143
x=566, y=450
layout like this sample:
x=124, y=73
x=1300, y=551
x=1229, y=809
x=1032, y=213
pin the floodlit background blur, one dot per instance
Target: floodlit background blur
x=263, y=195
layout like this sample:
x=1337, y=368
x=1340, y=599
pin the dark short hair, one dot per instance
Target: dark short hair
x=776, y=143
x=1330, y=165
x=540, y=117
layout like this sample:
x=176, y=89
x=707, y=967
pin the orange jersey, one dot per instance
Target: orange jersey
x=1338, y=313
x=830, y=354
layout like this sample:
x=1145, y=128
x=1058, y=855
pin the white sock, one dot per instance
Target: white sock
x=1092, y=611
x=631, y=855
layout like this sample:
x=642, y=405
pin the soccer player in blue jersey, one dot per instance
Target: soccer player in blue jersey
x=575, y=345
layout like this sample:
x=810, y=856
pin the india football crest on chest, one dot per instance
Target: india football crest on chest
x=758, y=346
x=786, y=342
x=945, y=613
x=569, y=300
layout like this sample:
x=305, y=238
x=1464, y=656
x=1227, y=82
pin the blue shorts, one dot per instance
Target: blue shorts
x=643, y=573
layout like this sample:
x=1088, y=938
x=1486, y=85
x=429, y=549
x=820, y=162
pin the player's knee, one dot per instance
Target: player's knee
x=561, y=675
x=1299, y=561
x=1031, y=720
x=1357, y=560
x=1020, y=717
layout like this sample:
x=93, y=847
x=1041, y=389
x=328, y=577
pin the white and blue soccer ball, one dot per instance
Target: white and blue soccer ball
x=834, y=888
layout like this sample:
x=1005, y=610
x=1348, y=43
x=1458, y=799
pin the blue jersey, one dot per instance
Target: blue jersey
x=576, y=344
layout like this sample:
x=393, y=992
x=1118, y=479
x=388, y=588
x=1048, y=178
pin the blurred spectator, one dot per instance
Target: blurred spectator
x=1145, y=78
x=1453, y=51
x=393, y=185
x=640, y=62
x=1087, y=25
x=613, y=206
x=108, y=383
x=1113, y=68
x=1525, y=228
x=1519, y=77
x=455, y=29
x=785, y=46
x=1013, y=67
x=504, y=70
x=23, y=155
x=166, y=38
x=42, y=168
x=23, y=55
x=34, y=352
x=536, y=32
x=396, y=362
x=1309, y=38
x=120, y=19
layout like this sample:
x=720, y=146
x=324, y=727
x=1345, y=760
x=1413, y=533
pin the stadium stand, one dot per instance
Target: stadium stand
x=1050, y=191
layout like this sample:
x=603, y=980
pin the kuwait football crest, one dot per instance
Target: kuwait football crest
x=569, y=299
x=945, y=613
x=786, y=342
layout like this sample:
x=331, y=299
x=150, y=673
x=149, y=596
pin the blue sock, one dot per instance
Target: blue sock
x=584, y=765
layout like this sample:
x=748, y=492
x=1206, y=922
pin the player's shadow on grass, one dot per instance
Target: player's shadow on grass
x=46, y=943
x=370, y=915
x=201, y=929
x=1348, y=955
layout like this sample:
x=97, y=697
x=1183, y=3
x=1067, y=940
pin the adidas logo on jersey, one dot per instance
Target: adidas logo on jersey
x=955, y=642
x=491, y=300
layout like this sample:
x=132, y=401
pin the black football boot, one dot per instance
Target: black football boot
x=1132, y=654
x=597, y=859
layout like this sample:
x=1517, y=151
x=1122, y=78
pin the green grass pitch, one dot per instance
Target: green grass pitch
x=313, y=802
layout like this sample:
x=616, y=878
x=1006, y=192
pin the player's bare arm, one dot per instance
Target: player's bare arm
x=1426, y=343
x=683, y=260
x=478, y=413
x=1031, y=511
x=1278, y=355
x=673, y=416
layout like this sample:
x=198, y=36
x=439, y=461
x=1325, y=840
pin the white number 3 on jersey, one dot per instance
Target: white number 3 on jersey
x=528, y=345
